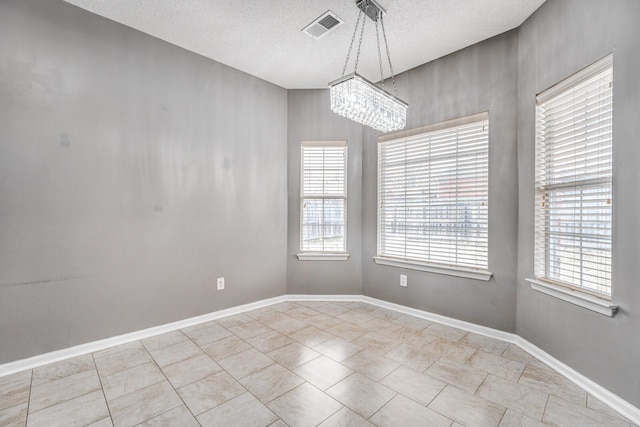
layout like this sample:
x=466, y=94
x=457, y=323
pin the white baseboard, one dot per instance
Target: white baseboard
x=612, y=400
x=91, y=347
x=596, y=390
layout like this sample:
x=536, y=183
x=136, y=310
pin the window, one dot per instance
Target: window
x=323, y=201
x=573, y=181
x=433, y=196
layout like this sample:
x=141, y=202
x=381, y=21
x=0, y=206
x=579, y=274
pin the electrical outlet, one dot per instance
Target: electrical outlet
x=403, y=280
x=220, y=283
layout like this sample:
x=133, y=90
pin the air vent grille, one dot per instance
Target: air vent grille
x=321, y=25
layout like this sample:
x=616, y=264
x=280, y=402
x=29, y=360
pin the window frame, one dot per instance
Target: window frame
x=546, y=184
x=425, y=264
x=323, y=255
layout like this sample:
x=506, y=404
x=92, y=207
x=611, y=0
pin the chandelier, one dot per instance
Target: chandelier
x=356, y=98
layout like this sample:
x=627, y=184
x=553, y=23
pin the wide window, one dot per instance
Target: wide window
x=323, y=201
x=573, y=215
x=433, y=194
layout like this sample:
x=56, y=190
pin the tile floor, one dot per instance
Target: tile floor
x=303, y=364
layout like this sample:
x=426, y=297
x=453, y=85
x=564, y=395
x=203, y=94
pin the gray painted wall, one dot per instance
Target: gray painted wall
x=310, y=119
x=482, y=77
x=561, y=38
x=132, y=174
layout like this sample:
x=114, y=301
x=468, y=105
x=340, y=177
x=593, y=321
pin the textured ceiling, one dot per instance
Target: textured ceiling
x=264, y=38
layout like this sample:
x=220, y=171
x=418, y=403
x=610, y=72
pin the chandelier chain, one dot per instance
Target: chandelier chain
x=379, y=56
x=353, y=38
x=386, y=45
x=364, y=21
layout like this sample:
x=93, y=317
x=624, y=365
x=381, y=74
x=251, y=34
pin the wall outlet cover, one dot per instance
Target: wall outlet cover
x=403, y=280
x=220, y=283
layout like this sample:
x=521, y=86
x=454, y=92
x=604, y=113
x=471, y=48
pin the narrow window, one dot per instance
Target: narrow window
x=323, y=201
x=573, y=215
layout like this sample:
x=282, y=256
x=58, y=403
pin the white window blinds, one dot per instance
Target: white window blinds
x=433, y=194
x=323, y=201
x=573, y=180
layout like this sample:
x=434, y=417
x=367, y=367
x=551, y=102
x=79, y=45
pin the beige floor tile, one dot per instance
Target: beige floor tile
x=497, y=365
x=250, y=329
x=450, y=349
x=304, y=406
x=354, y=317
x=515, y=396
x=347, y=331
x=302, y=313
x=14, y=389
x=266, y=315
x=323, y=372
x=345, y=417
x=457, y=374
x=401, y=411
x=269, y=341
x=514, y=352
x=14, y=416
x=144, y=404
x=109, y=363
x=190, y=370
x=560, y=412
x=245, y=363
x=371, y=364
x=512, y=418
x=63, y=389
x=164, y=340
x=80, y=411
x=175, y=353
x=334, y=309
x=210, y=392
x=205, y=334
x=117, y=349
x=414, y=385
x=235, y=320
x=412, y=336
x=412, y=356
x=271, y=382
x=551, y=382
x=385, y=314
x=411, y=322
x=293, y=355
x=179, y=416
x=376, y=342
x=311, y=336
x=337, y=349
x=63, y=369
x=597, y=405
x=486, y=344
x=279, y=423
x=130, y=380
x=381, y=326
x=105, y=422
x=285, y=306
x=322, y=321
x=244, y=410
x=444, y=331
x=225, y=347
x=466, y=408
x=287, y=325
x=361, y=394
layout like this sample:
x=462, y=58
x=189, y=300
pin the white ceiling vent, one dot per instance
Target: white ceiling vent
x=322, y=25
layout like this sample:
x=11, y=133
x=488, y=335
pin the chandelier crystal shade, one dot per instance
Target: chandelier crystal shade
x=356, y=98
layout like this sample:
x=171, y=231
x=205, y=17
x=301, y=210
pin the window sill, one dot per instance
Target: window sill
x=322, y=257
x=469, y=273
x=589, y=302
